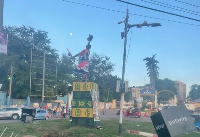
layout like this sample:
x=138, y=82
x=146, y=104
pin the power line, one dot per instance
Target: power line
x=159, y=10
x=93, y=6
x=165, y=20
x=187, y=3
x=172, y=7
x=175, y=6
x=191, y=24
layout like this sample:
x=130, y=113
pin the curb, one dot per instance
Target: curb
x=142, y=133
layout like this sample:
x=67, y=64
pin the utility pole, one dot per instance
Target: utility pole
x=1, y=15
x=56, y=77
x=124, y=35
x=43, y=79
x=10, y=85
x=30, y=73
x=122, y=84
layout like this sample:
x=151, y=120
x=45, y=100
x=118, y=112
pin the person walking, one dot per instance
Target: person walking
x=104, y=110
x=64, y=112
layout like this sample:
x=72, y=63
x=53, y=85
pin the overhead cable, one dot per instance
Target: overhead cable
x=159, y=10
x=176, y=6
x=191, y=24
x=172, y=7
x=187, y=3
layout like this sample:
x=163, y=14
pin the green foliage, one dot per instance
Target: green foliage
x=128, y=96
x=64, y=75
x=165, y=84
x=21, y=40
x=152, y=69
x=58, y=71
x=194, y=92
x=100, y=72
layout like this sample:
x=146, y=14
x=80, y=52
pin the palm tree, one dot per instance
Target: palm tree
x=152, y=69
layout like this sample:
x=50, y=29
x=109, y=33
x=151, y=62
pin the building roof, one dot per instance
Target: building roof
x=196, y=100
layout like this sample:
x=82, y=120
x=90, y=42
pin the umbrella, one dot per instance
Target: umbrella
x=59, y=101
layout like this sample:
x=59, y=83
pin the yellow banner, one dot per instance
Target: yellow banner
x=85, y=86
x=82, y=112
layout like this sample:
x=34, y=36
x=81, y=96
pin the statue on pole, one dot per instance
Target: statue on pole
x=82, y=68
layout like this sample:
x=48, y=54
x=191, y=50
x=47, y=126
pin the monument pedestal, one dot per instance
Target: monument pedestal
x=85, y=106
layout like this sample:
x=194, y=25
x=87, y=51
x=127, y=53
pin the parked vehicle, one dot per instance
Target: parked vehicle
x=42, y=114
x=196, y=121
x=133, y=112
x=30, y=112
x=118, y=112
x=10, y=112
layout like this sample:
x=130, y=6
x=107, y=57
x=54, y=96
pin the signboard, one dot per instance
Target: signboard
x=95, y=103
x=147, y=91
x=3, y=43
x=84, y=86
x=36, y=105
x=49, y=105
x=118, y=88
x=85, y=104
x=173, y=121
x=82, y=112
x=139, y=99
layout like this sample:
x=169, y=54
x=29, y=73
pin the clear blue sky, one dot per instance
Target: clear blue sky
x=177, y=45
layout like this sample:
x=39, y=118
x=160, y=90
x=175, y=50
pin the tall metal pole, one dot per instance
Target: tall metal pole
x=43, y=79
x=123, y=72
x=1, y=15
x=56, y=77
x=10, y=85
x=30, y=73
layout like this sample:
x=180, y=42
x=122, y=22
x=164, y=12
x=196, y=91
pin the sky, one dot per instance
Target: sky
x=176, y=45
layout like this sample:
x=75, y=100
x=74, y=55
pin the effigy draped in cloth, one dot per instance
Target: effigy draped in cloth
x=83, y=65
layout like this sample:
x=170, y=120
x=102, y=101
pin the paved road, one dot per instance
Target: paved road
x=110, y=114
x=2, y=121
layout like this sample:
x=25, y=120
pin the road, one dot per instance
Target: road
x=2, y=121
x=110, y=114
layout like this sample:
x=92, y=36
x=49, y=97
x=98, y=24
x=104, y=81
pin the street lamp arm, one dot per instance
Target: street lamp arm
x=144, y=24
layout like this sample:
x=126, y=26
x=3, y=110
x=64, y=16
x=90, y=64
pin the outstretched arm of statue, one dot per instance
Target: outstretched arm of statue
x=76, y=55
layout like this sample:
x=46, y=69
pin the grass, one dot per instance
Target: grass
x=61, y=128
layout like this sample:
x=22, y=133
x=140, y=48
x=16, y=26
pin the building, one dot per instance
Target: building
x=2, y=98
x=181, y=90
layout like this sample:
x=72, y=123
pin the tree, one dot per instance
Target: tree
x=65, y=75
x=100, y=72
x=128, y=96
x=194, y=92
x=152, y=69
x=165, y=84
x=21, y=40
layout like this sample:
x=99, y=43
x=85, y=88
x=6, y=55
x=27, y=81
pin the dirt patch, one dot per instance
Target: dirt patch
x=28, y=136
x=91, y=135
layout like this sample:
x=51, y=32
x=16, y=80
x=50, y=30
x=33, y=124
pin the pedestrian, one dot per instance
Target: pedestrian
x=64, y=112
x=104, y=110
